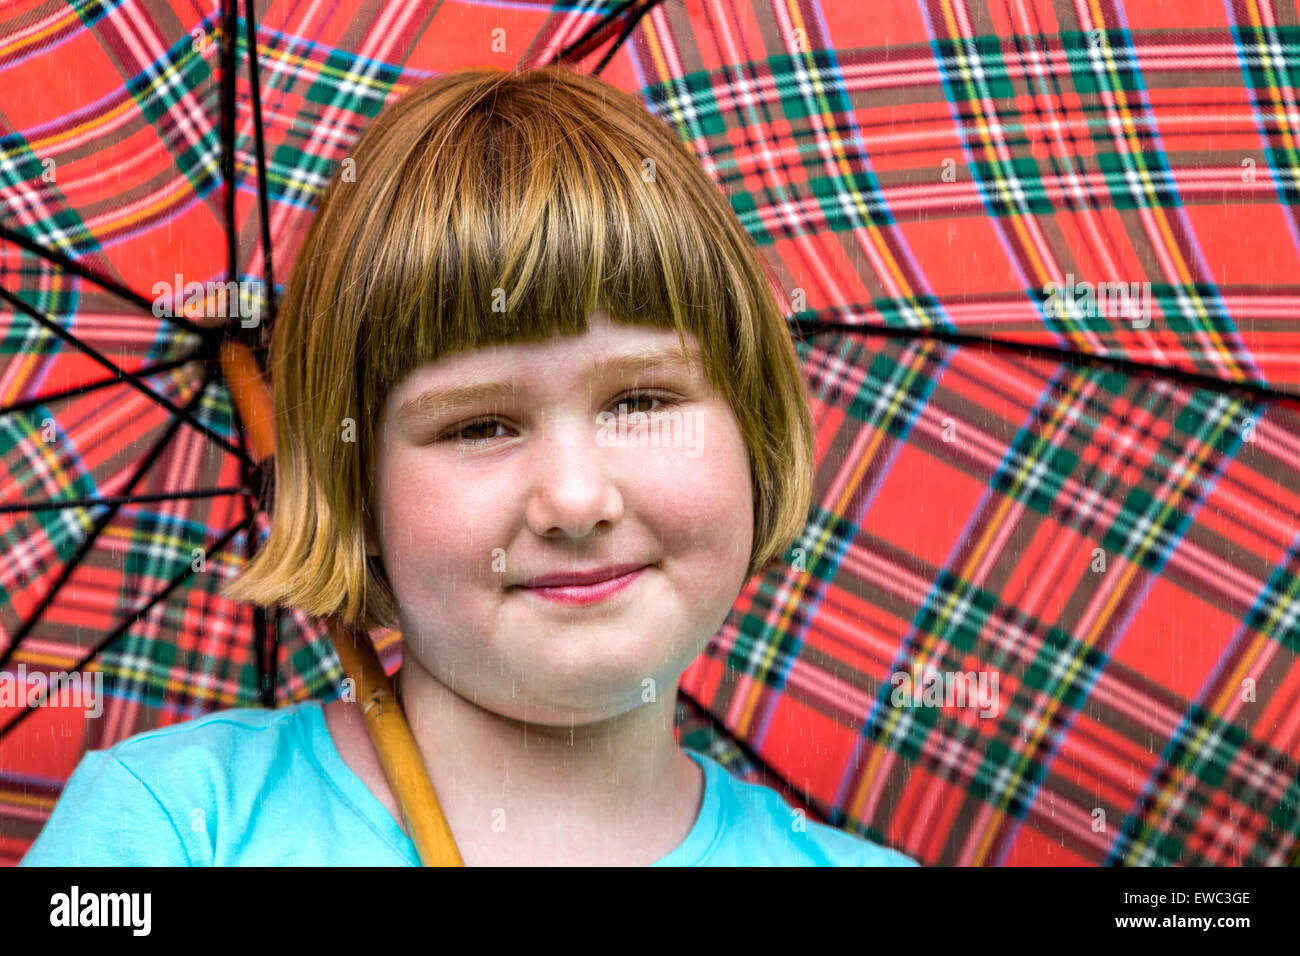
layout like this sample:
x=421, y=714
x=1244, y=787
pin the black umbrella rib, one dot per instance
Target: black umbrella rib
x=265, y=645
x=632, y=20
x=217, y=546
x=273, y=673
x=263, y=201
x=101, y=522
x=594, y=35
x=129, y=377
x=229, y=31
x=27, y=404
x=61, y=503
x=69, y=264
x=1051, y=353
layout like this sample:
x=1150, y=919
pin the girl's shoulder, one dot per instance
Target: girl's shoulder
x=226, y=788
x=216, y=751
x=757, y=827
x=208, y=749
x=219, y=724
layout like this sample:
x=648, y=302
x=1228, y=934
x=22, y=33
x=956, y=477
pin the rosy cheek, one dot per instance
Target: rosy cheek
x=410, y=507
x=704, y=498
x=435, y=516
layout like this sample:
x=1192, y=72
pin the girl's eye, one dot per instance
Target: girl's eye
x=633, y=398
x=487, y=426
x=481, y=432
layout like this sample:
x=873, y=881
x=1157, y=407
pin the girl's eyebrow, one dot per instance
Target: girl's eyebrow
x=436, y=401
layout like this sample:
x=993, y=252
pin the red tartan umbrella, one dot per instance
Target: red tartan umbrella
x=1045, y=607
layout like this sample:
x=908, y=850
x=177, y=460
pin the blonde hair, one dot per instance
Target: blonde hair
x=561, y=194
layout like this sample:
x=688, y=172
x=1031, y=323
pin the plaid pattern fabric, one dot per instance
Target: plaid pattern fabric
x=1116, y=549
x=1105, y=547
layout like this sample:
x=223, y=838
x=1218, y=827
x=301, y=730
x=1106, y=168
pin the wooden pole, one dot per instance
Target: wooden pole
x=385, y=721
x=391, y=734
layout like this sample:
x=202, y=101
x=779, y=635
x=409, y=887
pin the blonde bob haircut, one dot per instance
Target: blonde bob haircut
x=493, y=207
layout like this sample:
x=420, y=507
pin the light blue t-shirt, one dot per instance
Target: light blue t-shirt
x=254, y=787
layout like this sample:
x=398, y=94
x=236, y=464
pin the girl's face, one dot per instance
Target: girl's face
x=536, y=477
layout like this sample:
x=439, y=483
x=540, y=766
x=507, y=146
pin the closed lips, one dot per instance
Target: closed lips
x=579, y=578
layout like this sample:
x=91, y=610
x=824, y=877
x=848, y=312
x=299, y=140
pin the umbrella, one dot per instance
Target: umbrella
x=1089, y=510
x=1037, y=257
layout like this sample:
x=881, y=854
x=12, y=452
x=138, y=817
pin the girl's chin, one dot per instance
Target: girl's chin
x=587, y=698
x=565, y=718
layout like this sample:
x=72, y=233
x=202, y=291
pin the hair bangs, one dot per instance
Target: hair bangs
x=517, y=228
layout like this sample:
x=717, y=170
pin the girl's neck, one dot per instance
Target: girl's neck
x=613, y=792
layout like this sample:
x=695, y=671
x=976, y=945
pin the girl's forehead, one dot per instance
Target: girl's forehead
x=565, y=362
x=604, y=338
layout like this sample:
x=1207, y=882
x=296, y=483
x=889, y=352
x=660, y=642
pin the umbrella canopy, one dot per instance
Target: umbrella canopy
x=1045, y=607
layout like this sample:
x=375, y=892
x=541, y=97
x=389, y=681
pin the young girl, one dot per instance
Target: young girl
x=536, y=406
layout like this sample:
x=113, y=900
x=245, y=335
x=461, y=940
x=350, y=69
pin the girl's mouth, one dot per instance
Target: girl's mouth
x=578, y=594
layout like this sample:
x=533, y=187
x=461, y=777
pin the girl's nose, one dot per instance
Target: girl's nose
x=573, y=483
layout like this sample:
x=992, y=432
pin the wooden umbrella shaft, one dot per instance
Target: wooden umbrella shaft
x=385, y=721
x=398, y=753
